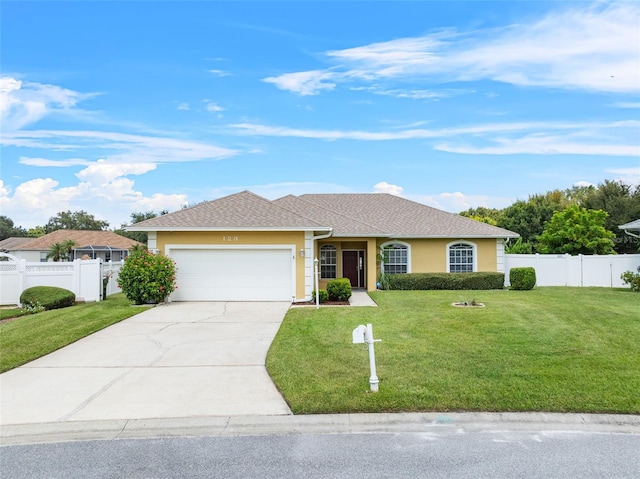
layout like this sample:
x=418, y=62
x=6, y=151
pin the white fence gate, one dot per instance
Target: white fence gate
x=83, y=277
x=581, y=270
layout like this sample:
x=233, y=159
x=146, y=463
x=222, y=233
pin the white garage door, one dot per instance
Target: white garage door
x=234, y=274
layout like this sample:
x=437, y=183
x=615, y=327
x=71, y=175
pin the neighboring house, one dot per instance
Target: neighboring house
x=105, y=245
x=632, y=229
x=245, y=247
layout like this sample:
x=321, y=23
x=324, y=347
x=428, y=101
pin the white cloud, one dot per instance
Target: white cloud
x=119, y=147
x=305, y=83
x=104, y=186
x=458, y=201
x=183, y=106
x=591, y=48
x=543, y=145
x=220, y=73
x=25, y=103
x=102, y=173
x=628, y=104
x=45, y=162
x=630, y=176
x=612, y=138
x=384, y=187
x=213, y=106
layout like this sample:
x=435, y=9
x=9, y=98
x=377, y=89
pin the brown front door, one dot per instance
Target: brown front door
x=353, y=268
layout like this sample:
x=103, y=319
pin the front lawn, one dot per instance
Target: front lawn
x=32, y=336
x=549, y=349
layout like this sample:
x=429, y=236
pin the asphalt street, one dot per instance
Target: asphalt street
x=452, y=454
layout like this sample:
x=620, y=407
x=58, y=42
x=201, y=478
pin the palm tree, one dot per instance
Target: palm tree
x=61, y=251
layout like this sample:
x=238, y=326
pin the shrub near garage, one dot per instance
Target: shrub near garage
x=146, y=277
x=47, y=297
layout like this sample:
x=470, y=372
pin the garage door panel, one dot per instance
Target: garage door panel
x=233, y=274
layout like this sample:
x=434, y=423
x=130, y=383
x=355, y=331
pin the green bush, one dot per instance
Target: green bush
x=324, y=296
x=452, y=281
x=146, y=277
x=339, y=289
x=522, y=278
x=47, y=297
x=632, y=279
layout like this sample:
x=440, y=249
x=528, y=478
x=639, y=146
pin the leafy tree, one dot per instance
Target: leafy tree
x=61, y=251
x=528, y=218
x=622, y=204
x=519, y=247
x=485, y=215
x=140, y=236
x=577, y=230
x=9, y=230
x=77, y=220
x=36, y=232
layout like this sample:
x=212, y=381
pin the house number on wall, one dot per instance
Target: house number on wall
x=229, y=238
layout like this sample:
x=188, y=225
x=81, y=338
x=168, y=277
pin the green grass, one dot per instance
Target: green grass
x=32, y=336
x=549, y=349
x=10, y=313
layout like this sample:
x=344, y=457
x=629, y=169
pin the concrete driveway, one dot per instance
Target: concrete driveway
x=175, y=360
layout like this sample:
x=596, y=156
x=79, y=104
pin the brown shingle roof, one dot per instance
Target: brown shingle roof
x=342, y=225
x=82, y=238
x=371, y=214
x=244, y=210
x=400, y=217
x=13, y=243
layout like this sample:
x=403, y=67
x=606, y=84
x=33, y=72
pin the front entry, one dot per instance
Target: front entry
x=353, y=268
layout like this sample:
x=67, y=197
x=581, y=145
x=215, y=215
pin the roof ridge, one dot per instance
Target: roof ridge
x=339, y=213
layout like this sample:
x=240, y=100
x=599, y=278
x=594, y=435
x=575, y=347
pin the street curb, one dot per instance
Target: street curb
x=227, y=426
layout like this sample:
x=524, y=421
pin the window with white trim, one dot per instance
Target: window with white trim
x=328, y=262
x=461, y=258
x=395, y=257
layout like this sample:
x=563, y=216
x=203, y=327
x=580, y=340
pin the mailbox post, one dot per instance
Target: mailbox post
x=364, y=334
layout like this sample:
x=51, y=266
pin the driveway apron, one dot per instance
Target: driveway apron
x=175, y=360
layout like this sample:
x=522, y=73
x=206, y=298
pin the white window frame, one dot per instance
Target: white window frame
x=474, y=252
x=329, y=248
x=405, y=245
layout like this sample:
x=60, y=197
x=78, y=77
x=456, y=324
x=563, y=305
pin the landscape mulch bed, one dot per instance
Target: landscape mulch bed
x=326, y=303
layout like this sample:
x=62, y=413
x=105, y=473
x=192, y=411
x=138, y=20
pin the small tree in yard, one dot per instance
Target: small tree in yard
x=576, y=230
x=146, y=277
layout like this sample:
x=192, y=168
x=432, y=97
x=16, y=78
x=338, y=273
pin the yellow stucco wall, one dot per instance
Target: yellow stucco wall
x=239, y=238
x=427, y=255
x=430, y=255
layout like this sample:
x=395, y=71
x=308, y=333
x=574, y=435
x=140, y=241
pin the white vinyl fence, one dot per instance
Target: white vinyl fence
x=581, y=270
x=83, y=277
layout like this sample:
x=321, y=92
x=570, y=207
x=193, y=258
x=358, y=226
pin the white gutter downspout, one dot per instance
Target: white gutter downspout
x=316, y=274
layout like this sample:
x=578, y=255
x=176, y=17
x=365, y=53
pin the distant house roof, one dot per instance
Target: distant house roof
x=83, y=239
x=370, y=214
x=632, y=226
x=13, y=243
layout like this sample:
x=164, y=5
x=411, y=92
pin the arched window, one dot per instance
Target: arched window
x=461, y=257
x=328, y=262
x=395, y=258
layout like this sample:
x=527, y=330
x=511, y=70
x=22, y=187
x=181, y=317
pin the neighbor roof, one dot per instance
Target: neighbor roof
x=369, y=214
x=13, y=243
x=83, y=239
x=634, y=225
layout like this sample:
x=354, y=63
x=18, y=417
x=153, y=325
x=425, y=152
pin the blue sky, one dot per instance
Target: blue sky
x=116, y=107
